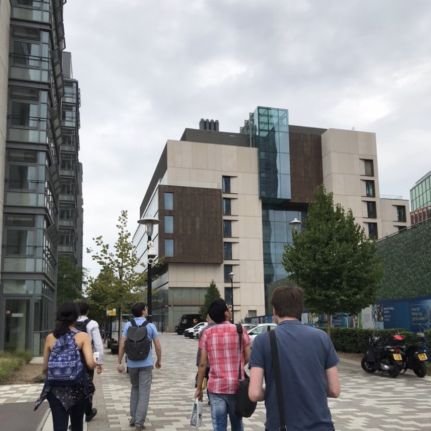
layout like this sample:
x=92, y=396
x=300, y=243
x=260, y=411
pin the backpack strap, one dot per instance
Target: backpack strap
x=133, y=323
x=239, y=330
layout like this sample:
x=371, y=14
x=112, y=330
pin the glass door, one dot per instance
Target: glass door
x=16, y=324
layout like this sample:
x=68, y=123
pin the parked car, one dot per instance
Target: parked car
x=197, y=331
x=190, y=332
x=248, y=326
x=186, y=322
x=260, y=329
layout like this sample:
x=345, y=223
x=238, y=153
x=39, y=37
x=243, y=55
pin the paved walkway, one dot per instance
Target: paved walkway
x=371, y=402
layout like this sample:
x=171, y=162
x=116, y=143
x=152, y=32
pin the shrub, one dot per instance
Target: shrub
x=10, y=362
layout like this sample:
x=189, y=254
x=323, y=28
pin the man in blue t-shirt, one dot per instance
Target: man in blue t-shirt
x=308, y=368
x=140, y=372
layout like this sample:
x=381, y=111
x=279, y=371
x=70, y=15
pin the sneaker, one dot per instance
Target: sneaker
x=90, y=417
x=132, y=422
x=140, y=427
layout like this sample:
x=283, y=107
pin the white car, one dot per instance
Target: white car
x=190, y=332
x=260, y=329
x=198, y=330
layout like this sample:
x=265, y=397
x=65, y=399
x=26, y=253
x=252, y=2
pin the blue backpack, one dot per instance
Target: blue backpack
x=65, y=365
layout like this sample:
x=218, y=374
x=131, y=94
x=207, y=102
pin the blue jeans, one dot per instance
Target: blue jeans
x=223, y=405
x=140, y=378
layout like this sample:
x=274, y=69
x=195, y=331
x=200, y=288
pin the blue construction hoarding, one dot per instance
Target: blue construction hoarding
x=411, y=314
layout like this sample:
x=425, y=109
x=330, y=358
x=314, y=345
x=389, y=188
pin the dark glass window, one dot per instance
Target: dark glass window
x=368, y=168
x=227, y=206
x=226, y=184
x=370, y=190
x=169, y=247
x=227, y=251
x=169, y=224
x=371, y=209
x=168, y=201
x=401, y=213
x=227, y=270
x=372, y=230
x=227, y=228
x=22, y=220
x=16, y=241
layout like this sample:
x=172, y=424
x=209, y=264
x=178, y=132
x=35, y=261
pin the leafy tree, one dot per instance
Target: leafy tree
x=69, y=281
x=332, y=260
x=119, y=282
x=211, y=295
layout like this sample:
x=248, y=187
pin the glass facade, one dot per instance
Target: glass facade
x=277, y=232
x=271, y=137
x=420, y=194
x=33, y=210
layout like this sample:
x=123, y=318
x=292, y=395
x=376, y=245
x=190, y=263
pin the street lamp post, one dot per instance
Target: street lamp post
x=295, y=223
x=231, y=275
x=149, y=223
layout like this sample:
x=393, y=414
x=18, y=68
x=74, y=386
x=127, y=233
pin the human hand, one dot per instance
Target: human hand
x=99, y=368
x=120, y=368
x=199, y=394
x=158, y=363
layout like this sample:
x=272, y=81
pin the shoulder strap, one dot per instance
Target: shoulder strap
x=277, y=376
x=145, y=323
x=239, y=330
x=133, y=323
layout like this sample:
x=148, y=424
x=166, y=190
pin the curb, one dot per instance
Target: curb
x=44, y=421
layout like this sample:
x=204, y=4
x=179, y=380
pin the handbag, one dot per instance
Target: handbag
x=277, y=378
x=244, y=407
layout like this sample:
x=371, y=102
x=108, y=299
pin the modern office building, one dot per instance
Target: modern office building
x=420, y=198
x=35, y=112
x=227, y=204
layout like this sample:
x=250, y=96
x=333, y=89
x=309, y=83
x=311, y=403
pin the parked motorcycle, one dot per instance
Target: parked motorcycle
x=416, y=357
x=384, y=355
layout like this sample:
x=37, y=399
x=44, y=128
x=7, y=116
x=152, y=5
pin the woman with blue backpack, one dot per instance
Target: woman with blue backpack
x=67, y=357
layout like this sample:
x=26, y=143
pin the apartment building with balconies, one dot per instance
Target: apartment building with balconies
x=34, y=136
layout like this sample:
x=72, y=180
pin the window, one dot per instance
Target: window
x=67, y=188
x=24, y=114
x=169, y=247
x=227, y=206
x=67, y=239
x=372, y=230
x=368, y=168
x=226, y=184
x=168, y=201
x=370, y=190
x=227, y=228
x=227, y=270
x=227, y=251
x=401, y=213
x=371, y=209
x=169, y=224
x=18, y=240
x=67, y=213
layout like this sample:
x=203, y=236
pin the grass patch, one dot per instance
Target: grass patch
x=10, y=362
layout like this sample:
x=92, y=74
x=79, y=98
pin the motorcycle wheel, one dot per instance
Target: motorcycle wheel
x=395, y=370
x=367, y=366
x=420, y=370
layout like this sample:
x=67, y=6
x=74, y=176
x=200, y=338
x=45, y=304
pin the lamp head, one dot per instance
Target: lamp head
x=149, y=223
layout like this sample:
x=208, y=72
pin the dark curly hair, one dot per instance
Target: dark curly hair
x=67, y=314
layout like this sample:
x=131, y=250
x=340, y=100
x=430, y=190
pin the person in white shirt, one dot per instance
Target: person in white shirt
x=91, y=327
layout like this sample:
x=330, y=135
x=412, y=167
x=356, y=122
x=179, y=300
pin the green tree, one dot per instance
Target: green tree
x=119, y=282
x=211, y=295
x=332, y=260
x=69, y=281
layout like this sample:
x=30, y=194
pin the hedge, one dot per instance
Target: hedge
x=352, y=340
x=10, y=362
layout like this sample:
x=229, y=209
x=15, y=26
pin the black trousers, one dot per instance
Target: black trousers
x=60, y=417
x=89, y=400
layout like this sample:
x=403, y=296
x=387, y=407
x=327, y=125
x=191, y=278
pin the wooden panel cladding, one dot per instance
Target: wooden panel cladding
x=197, y=217
x=305, y=163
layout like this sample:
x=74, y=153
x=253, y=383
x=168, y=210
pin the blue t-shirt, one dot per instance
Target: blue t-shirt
x=305, y=353
x=152, y=333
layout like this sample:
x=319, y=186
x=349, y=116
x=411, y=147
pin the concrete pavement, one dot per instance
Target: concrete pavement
x=371, y=402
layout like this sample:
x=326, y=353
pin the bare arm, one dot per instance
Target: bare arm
x=46, y=352
x=203, y=363
x=255, y=389
x=246, y=354
x=333, y=382
x=121, y=351
x=97, y=342
x=158, y=349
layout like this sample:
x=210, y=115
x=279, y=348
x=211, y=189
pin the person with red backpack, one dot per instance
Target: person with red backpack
x=91, y=327
x=67, y=357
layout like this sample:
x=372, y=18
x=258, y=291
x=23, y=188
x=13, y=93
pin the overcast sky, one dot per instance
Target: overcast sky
x=149, y=69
